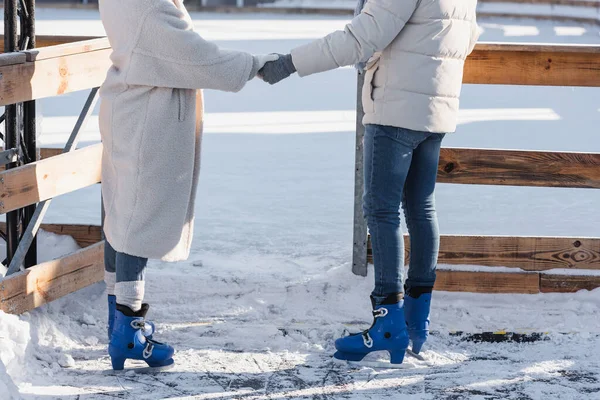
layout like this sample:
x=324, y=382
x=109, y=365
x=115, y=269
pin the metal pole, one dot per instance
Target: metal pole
x=359, y=252
x=11, y=140
x=29, y=127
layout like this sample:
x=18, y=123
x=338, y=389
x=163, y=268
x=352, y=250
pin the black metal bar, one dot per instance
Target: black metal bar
x=29, y=121
x=11, y=140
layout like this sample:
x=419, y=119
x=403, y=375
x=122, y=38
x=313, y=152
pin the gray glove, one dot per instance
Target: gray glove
x=278, y=70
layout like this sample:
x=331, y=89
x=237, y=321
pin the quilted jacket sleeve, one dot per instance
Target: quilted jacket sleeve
x=372, y=30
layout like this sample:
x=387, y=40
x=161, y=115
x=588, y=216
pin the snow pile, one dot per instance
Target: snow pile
x=50, y=246
x=20, y=337
x=14, y=340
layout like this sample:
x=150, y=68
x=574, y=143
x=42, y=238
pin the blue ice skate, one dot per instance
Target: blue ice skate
x=388, y=333
x=129, y=342
x=149, y=328
x=417, y=305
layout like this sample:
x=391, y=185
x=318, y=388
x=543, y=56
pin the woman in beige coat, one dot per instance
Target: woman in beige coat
x=415, y=52
x=151, y=127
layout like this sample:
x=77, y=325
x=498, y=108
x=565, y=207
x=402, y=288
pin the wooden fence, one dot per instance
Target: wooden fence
x=69, y=67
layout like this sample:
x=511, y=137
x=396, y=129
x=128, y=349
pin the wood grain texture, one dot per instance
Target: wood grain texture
x=550, y=283
x=519, y=168
x=527, y=253
x=67, y=49
x=45, y=179
x=533, y=65
x=77, y=66
x=52, y=280
x=84, y=235
x=53, y=76
x=52, y=40
x=487, y=282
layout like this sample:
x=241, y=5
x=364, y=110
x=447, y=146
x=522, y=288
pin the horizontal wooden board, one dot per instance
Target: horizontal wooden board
x=84, y=235
x=52, y=280
x=53, y=76
x=49, y=178
x=487, y=282
x=505, y=167
x=551, y=283
x=527, y=253
x=77, y=66
x=51, y=40
x=541, y=65
x=519, y=168
x=67, y=49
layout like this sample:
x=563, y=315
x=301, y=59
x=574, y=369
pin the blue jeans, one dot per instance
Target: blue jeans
x=401, y=169
x=128, y=268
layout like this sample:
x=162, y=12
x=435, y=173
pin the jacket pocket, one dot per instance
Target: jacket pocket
x=367, y=92
x=182, y=105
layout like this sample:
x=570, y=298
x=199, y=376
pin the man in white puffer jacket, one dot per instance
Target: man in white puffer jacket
x=414, y=52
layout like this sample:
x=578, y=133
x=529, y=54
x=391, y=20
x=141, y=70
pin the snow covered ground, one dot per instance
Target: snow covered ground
x=254, y=312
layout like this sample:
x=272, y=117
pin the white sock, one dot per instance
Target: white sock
x=130, y=294
x=110, y=278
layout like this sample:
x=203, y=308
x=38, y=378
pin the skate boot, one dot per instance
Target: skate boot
x=417, y=304
x=149, y=328
x=388, y=333
x=129, y=342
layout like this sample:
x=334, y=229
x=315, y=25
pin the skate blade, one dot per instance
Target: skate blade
x=140, y=370
x=371, y=364
x=411, y=353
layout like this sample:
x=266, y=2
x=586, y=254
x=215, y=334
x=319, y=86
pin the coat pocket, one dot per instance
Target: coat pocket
x=182, y=104
x=367, y=92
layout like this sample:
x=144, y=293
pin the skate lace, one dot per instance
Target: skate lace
x=147, y=353
x=367, y=340
x=138, y=324
x=380, y=312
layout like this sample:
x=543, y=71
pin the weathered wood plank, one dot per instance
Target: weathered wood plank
x=67, y=49
x=505, y=167
x=527, y=253
x=49, y=178
x=53, y=76
x=52, y=280
x=556, y=283
x=83, y=65
x=52, y=40
x=84, y=235
x=502, y=64
x=487, y=282
x=519, y=168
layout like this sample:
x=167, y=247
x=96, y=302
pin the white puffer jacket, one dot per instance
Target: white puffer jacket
x=415, y=50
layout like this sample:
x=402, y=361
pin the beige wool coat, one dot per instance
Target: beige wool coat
x=415, y=50
x=151, y=125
